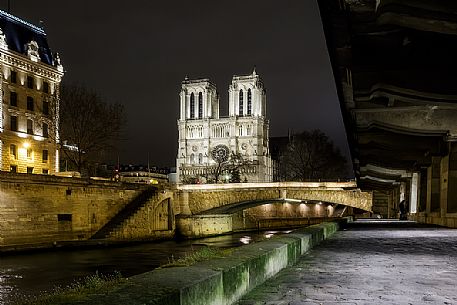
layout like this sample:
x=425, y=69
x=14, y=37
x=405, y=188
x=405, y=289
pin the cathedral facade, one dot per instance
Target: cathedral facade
x=208, y=143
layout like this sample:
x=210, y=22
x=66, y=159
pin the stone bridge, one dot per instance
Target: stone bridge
x=223, y=208
x=230, y=198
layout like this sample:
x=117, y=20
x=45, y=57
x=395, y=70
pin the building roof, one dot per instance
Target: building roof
x=19, y=33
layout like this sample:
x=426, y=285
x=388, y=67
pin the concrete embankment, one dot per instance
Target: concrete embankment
x=220, y=281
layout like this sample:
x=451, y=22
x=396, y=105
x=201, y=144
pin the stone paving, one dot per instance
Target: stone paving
x=370, y=262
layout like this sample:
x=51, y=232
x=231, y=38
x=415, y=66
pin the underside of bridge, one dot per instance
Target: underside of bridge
x=395, y=69
x=287, y=207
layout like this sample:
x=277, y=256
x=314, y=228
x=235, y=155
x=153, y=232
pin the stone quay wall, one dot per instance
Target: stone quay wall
x=449, y=220
x=154, y=220
x=220, y=281
x=197, y=226
x=42, y=208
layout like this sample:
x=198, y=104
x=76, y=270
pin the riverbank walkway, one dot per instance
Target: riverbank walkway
x=370, y=262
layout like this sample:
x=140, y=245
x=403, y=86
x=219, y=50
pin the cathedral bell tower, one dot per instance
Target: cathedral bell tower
x=247, y=96
x=199, y=100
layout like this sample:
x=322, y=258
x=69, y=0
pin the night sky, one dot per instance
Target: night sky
x=137, y=53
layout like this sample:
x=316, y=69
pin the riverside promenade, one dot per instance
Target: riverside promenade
x=370, y=262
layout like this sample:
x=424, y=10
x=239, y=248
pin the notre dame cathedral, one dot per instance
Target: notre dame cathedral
x=206, y=140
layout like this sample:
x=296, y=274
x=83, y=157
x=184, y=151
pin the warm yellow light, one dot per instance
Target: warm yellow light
x=292, y=200
x=26, y=144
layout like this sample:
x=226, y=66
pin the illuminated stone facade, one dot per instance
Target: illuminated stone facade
x=203, y=134
x=29, y=100
x=44, y=208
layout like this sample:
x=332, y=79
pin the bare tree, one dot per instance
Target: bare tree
x=231, y=168
x=312, y=156
x=228, y=166
x=236, y=165
x=88, y=125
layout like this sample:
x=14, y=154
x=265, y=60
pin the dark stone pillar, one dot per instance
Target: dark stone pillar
x=393, y=200
x=435, y=181
x=452, y=180
x=381, y=201
x=444, y=174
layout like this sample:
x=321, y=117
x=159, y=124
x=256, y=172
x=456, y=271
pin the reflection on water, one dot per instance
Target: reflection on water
x=32, y=273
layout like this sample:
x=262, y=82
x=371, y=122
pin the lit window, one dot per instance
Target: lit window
x=45, y=130
x=200, y=105
x=13, y=168
x=13, y=99
x=45, y=107
x=29, y=126
x=13, y=151
x=192, y=105
x=29, y=170
x=13, y=77
x=45, y=156
x=249, y=102
x=29, y=82
x=13, y=123
x=240, y=112
x=30, y=104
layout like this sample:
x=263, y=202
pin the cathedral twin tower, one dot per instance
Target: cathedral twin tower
x=207, y=140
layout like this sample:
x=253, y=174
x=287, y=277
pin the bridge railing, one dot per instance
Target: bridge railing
x=327, y=185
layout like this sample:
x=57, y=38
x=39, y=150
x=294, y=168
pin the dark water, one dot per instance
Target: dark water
x=28, y=274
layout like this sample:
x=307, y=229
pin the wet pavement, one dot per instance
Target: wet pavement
x=370, y=262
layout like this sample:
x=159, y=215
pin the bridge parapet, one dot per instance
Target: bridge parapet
x=233, y=186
